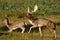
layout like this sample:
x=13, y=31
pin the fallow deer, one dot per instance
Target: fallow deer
x=40, y=22
x=15, y=25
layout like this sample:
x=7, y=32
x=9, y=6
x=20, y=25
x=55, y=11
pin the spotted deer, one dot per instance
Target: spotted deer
x=40, y=22
x=15, y=25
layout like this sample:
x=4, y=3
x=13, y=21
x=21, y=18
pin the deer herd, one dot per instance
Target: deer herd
x=36, y=22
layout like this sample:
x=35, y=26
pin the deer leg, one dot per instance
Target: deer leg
x=54, y=32
x=10, y=30
x=31, y=28
x=23, y=29
x=40, y=31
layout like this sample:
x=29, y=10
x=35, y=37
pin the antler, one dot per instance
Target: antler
x=35, y=8
x=28, y=9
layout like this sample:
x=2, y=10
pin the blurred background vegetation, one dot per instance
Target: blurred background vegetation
x=16, y=9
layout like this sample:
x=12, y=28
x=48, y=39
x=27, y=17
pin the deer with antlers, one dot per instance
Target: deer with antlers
x=40, y=22
x=15, y=25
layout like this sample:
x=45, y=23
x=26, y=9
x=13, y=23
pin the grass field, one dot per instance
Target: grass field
x=15, y=10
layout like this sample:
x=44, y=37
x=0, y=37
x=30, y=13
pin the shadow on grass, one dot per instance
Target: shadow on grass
x=4, y=28
x=58, y=23
x=2, y=33
x=33, y=29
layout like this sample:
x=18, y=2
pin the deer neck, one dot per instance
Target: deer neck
x=31, y=19
x=7, y=22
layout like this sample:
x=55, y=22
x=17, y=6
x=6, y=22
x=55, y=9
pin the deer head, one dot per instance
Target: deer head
x=29, y=14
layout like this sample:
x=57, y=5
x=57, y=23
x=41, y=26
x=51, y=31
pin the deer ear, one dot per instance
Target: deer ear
x=35, y=8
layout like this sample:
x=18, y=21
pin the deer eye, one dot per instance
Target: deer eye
x=29, y=14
